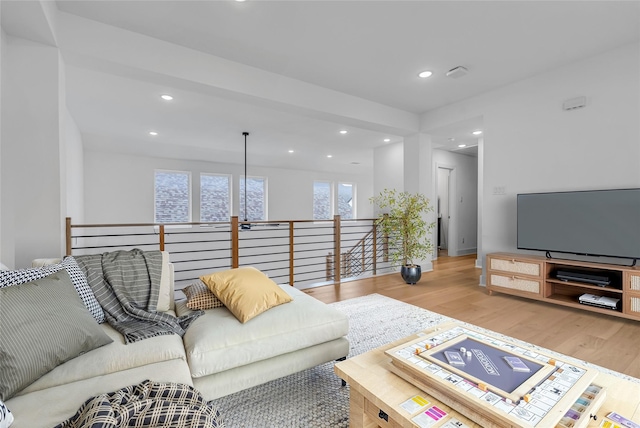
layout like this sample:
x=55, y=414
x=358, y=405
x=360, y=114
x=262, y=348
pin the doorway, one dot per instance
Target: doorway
x=445, y=210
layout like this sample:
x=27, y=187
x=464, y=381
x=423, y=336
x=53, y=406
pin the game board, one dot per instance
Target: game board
x=495, y=382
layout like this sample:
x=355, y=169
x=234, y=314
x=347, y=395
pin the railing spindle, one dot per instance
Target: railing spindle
x=235, y=242
x=337, y=249
x=291, y=253
x=68, y=232
x=375, y=249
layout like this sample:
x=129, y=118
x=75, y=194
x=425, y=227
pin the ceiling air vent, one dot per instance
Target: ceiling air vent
x=457, y=72
x=574, y=103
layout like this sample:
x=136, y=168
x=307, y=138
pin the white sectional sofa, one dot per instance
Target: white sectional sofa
x=218, y=355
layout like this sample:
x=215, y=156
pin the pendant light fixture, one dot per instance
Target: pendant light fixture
x=245, y=226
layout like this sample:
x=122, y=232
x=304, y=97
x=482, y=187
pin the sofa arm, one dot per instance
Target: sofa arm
x=36, y=263
x=172, y=297
x=165, y=296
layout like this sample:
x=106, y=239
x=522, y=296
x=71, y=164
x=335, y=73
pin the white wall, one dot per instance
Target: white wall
x=407, y=166
x=464, y=204
x=119, y=188
x=31, y=217
x=72, y=168
x=418, y=178
x=531, y=144
x=3, y=50
x=388, y=164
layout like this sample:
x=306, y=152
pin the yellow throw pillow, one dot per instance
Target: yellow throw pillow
x=245, y=291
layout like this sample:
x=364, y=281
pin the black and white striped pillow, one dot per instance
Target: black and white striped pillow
x=21, y=276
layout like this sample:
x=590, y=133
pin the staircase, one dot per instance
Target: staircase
x=367, y=257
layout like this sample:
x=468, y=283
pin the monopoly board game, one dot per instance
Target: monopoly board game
x=495, y=382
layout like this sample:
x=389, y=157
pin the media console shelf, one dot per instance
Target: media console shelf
x=536, y=278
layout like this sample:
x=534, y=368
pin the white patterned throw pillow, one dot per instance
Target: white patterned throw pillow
x=82, y=287
x=6, y=418
x=21, y=276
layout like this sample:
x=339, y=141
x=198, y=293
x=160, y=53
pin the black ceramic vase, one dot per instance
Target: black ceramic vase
x=411, y=274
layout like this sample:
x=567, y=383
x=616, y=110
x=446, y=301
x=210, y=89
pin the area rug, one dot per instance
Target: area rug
x=316, y=397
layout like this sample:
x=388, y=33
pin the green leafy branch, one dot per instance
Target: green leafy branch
x=402, y=221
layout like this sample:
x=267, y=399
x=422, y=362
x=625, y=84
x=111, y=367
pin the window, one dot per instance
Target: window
x=215, y=197
x=322, y=208
x=172, y=197
x=346, y=205
x=324, y=203
x=256, y=197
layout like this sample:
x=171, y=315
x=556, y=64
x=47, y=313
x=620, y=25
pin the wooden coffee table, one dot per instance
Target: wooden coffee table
x=376, y=394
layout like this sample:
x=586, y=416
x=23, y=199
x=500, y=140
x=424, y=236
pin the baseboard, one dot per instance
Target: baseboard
x=467, y=251
x=464, y=252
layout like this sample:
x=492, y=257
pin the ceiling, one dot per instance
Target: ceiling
x=348, y=54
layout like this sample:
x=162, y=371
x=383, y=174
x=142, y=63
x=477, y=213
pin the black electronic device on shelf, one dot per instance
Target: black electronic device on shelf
x=601, y=280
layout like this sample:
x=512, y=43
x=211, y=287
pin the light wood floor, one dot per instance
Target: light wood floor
x=452, y=289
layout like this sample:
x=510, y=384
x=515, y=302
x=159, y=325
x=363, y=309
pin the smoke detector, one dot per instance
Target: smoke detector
x=457, y=72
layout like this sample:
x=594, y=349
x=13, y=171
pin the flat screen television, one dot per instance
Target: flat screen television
x=591, y=223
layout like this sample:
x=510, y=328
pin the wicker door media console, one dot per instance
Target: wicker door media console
x=537, y=278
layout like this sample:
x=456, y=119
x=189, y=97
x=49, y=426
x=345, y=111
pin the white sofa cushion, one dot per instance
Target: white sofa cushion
x=234, y=380
x=112, y=358
x=217, y=341
x=49, y=407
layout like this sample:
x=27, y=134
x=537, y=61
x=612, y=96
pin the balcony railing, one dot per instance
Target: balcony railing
x=302, y=253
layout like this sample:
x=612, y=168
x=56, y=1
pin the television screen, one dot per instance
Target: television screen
x=595, y=222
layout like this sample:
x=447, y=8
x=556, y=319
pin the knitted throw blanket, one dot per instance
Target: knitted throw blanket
x=127, y=284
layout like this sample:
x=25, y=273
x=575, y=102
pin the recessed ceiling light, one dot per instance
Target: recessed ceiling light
x=343, y=131
x=425, y=74
x=462, y=145
x=290, y=151
x=166, y=97
x=477, y=132
x=329, y=156
x=386, y=140
x=154, y=133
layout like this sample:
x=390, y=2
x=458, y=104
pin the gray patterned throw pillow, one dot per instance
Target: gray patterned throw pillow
x=44, y=323
x=21, y=276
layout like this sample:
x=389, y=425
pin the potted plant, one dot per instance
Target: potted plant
x=402, y=220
